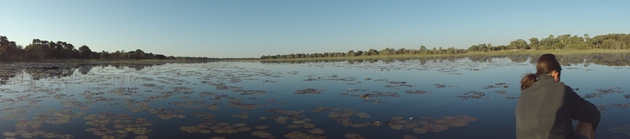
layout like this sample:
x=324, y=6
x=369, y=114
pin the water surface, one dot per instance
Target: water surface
x=462, y=97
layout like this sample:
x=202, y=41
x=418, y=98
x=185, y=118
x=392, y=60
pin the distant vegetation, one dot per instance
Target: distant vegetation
x=562, y=42
x=47, y=50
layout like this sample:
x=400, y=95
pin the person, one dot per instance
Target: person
x=547, y=106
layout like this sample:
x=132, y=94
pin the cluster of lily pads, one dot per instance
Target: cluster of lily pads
x=604, y=91
x=25, y=128
x=625, y=129
x=473, y=95
x=497, y=85
x=603, y=107
x=308, y=91
x=110, y=126
x=443, y=86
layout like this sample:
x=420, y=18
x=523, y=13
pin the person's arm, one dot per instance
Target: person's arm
x=581, y=109
x=585, y=129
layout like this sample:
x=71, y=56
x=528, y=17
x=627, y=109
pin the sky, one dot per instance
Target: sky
x=252, y=28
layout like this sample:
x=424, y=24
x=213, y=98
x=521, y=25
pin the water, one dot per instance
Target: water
x=167, y=100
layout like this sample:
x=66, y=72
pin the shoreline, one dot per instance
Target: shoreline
x=491, y=53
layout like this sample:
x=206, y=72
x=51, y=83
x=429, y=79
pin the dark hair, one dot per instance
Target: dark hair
x=527, y=81
x=546, y=64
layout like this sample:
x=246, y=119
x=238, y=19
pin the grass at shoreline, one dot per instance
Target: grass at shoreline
x=491, y=53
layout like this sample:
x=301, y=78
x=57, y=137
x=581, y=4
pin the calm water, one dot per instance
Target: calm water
x=457, y=98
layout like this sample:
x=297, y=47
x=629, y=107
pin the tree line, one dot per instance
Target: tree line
x=561, y=42
x=43, y=49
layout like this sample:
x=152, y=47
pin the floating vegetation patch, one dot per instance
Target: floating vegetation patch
x=125, y=91
x=136, y=106
x=12, y=112
x=192, y=104
x=443, y=86
x=620, y=130
x=108, y=125
x=604, y=107
x=302, y=135
x=496, y=85
x=375, y=94
x=507, y=96
x=240, y=104
x=250, y=92
x=167, y=113
x=417, y=92
x=601, y=92
x=353, y=136
x=242, y=115
x=357, y=90
x=296, y=117
x=218, y=128
x=330, y=78
x=473, y=95
x=308, y=91
x=153, y=86
x=397, y=85
x=263, y=134
x=407, y=136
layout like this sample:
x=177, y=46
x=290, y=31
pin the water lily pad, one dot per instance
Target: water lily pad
x=316, y=131
x=9, y=134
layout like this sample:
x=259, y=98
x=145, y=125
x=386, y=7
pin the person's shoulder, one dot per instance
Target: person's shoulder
x=567, y=89
x=566, y=86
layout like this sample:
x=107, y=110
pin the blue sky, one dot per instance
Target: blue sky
x=252, y=28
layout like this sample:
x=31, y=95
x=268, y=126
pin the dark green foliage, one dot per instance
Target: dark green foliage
x=45, y=50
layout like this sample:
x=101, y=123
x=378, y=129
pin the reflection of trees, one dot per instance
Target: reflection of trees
x=518, y=58
x=44, y=70
x=7, y=72
x=608, y=59
x=49, y=72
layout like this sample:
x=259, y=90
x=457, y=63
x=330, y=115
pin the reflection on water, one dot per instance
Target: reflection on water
x=441, y=97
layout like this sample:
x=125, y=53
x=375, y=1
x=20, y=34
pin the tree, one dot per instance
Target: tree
x=139, y=54
x=359, y=53
x=518, y=44
x=423, y=50
x=474, y=48
x=350, y=53
x=534, y=43
x=372, y=52
x=385, y=52
x=105, y=55
x=85, y=51
x=8, y=49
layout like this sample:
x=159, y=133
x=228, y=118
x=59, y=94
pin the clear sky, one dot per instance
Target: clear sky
x=252, y=28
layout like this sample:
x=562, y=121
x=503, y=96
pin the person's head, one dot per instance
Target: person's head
x=547, y=65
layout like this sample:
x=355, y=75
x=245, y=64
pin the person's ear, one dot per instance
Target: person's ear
x=556, y=75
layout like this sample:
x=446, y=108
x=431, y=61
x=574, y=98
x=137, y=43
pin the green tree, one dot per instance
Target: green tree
x=534, y=43
x=8, y=49
x=350, y=53
x=423, y=50
x=85, y=51
x=518, y=44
